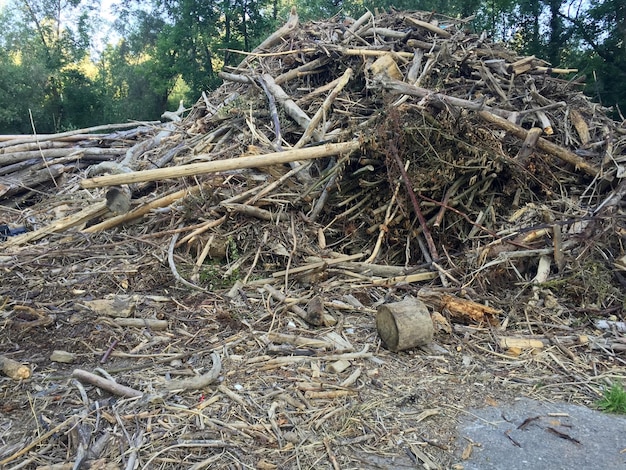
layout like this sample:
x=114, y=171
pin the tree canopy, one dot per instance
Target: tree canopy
x=58, y=71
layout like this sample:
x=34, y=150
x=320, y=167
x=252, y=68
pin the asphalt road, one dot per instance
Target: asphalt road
x=535, y=435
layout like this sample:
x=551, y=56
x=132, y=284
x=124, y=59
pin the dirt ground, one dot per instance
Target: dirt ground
x=401, y=409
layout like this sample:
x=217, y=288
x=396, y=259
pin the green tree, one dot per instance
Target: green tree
x=452, y=8
x=21, y=94
x=167, y=45
x=60, y=39
x=192, y=39
x=601, y=53
x=126, y=87
x=44, y=47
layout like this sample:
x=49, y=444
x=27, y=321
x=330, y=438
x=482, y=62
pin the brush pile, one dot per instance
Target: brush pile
x=341, y=165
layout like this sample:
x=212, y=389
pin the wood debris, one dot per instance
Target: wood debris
x=341, y=167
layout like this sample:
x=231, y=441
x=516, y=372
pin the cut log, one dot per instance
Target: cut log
x=14, y=369
x=404, y=325
x=119, y=199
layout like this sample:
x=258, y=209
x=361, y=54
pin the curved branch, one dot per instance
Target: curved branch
x=581, y=27
x=32, y=14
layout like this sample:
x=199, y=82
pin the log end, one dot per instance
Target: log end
x=404, y=325
x=14, y=369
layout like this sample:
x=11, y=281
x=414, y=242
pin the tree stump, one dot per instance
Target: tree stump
x=404, y=325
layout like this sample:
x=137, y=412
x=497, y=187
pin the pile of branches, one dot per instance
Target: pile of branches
x=430, y=147
x=461, y=141
x=342, y=163
x=411, y=142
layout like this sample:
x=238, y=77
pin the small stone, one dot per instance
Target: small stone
x=292, y=437
x=62, y=356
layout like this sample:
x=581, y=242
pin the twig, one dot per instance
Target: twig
x=257, y=254
x=331, y=455
x=200, y=381
x=384, y=227
x=136, y=444
x=202, y=228
x=325, y=193
x=358, y=23
x=105, y=384
x=251, y=211
x=321, y=264
x=172, y=264
x=444, y=203
x=282, y=297
x=267, y=189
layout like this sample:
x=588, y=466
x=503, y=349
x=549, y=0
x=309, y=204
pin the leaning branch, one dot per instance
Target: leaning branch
x=254, y=161
x=543, y=144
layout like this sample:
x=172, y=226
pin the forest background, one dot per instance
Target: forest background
x=64, y=65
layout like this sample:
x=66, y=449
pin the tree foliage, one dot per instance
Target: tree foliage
x=601, y=30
